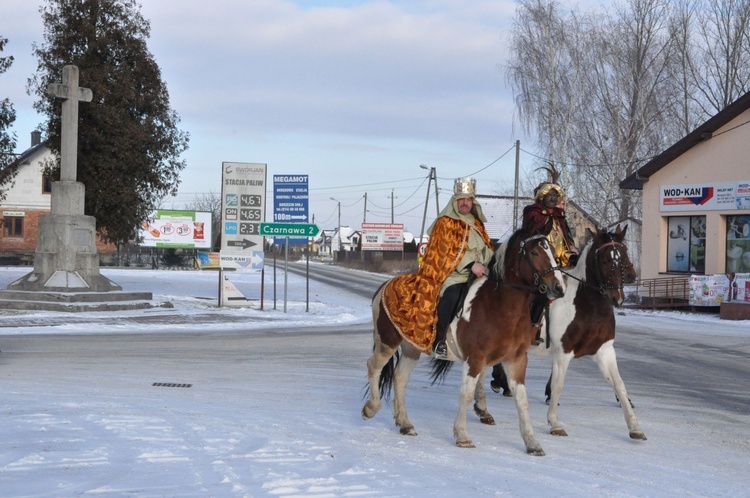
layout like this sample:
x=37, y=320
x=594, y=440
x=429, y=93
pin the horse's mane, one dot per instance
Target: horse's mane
x=497, y=270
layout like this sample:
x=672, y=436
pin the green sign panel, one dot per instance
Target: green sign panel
x=289, y=229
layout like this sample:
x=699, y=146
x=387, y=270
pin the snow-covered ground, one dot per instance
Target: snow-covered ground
x=266, y=416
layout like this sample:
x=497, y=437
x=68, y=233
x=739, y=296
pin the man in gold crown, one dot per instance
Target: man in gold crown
x=459, y=247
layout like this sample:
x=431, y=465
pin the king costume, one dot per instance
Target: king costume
x=456, y=242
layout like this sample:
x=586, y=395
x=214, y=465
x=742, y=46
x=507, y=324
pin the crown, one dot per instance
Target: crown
x=465, y=186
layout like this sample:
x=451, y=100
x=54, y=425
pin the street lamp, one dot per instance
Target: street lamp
x=339, y=227
x=433, y=175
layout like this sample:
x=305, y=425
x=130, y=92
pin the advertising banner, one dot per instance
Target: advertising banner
x=708, y=290
x=705, y=196
x=741, y=288
x=382, y=237
x=178, y=229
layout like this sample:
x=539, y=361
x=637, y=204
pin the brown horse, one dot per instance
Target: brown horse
x=494, y=327
x=582, y=323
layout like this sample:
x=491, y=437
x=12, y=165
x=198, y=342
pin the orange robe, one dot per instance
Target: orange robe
x=410, y=301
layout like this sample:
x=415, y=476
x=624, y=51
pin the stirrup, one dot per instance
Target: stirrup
x=440, y=350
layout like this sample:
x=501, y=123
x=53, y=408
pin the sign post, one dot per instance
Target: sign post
x=243, y=200
x=290, y=230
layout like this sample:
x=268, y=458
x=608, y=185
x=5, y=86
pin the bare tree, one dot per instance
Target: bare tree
x=723, y=50
x=545, y=71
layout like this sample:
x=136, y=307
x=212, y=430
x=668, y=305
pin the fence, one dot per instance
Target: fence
x=664, y=292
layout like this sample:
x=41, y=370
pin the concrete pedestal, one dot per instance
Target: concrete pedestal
x=66, y=259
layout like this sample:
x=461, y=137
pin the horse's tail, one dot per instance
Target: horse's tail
x=385, y=385
x=439, y=369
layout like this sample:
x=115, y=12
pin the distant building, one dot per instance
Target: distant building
x=696, y=199
x=500, y=224
x=28, y=198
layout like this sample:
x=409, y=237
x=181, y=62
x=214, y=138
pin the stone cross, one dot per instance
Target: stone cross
x=72, y=93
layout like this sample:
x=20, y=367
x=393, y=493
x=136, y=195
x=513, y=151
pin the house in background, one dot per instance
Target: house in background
x=498, y=210
x=696, y=199
x=28, y=198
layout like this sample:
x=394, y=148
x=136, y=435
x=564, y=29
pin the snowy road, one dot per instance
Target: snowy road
x=273, y=408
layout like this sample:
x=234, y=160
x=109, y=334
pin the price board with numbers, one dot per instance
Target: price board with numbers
x=243, y=200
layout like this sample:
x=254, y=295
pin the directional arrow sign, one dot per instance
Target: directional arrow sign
x=244, y=243
x=289, y=229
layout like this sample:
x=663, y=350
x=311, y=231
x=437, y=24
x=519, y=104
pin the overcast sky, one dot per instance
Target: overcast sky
x=355, y=94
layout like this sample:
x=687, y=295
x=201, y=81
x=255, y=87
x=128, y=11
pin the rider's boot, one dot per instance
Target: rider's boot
x=538, y=306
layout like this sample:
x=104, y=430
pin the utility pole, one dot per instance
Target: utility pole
x=392, y=197
x=364, y=216
x=515, y=188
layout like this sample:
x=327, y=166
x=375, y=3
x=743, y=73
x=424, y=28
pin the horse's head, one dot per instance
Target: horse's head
x=608, y=264
x=528, y=256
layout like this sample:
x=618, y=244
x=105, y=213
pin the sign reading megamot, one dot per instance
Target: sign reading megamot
x=243, y=201
x=705, y=197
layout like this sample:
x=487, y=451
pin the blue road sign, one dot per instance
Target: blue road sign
x=291, y=203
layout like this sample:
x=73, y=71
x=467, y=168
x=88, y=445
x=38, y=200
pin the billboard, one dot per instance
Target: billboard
x=243, y=201
x=705, y=196
x=382, y=237
x=178, y=229
x=290, y=203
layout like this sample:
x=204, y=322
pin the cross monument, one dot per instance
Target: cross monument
x=66, y=258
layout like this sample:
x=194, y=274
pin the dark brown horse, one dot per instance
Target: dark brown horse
x=582, y=323
x=494, y=327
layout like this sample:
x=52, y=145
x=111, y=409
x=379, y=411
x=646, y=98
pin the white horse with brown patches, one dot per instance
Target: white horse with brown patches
x=582, y=323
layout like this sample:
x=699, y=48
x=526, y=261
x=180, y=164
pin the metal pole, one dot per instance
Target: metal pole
x=515, y=188
x=286, y=268
x=433, y=172
x=426, y=201
x=364, y=216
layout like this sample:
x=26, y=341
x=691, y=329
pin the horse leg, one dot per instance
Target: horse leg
x=480, y=401
x=560, y=363
x=381, y=355
x=516, y=373
x=466, y=393
x=606, y=359
x=409, y=358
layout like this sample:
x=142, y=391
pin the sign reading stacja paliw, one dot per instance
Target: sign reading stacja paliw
x=291, y=203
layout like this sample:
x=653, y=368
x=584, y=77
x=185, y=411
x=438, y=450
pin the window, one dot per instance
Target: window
x=738, y=244
x=686, y=246
x=13, y=226
x=46, y=184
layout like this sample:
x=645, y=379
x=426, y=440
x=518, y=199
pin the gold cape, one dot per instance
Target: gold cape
x=410, y=301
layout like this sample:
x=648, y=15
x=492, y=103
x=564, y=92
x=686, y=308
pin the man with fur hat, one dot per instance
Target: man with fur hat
x=459, y=247
x=547, y=215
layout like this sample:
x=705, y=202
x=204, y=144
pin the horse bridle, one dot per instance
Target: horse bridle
x=538, y=284
x=605, y=286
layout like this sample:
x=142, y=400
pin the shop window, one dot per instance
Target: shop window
x=46, y=184
x=13, y=226
x=686, y=246
x=738, y=244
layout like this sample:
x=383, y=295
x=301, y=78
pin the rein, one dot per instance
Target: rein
x=538, y=284
x=605, y=285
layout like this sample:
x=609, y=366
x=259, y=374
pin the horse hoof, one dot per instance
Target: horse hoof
x=465, y=443
x=408, y=431
x=638, y=435
x=558, y=432
x=488, y=420
x=535, y=451
x=368, y=413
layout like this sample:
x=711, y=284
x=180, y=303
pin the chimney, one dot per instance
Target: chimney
x=36, y=137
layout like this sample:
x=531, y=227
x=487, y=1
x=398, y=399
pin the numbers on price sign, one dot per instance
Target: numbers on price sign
x=249, y=228
x=250, y=200
x=249, y=214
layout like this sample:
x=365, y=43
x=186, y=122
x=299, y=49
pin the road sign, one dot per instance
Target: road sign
x=290, y=203
x=289, y=229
